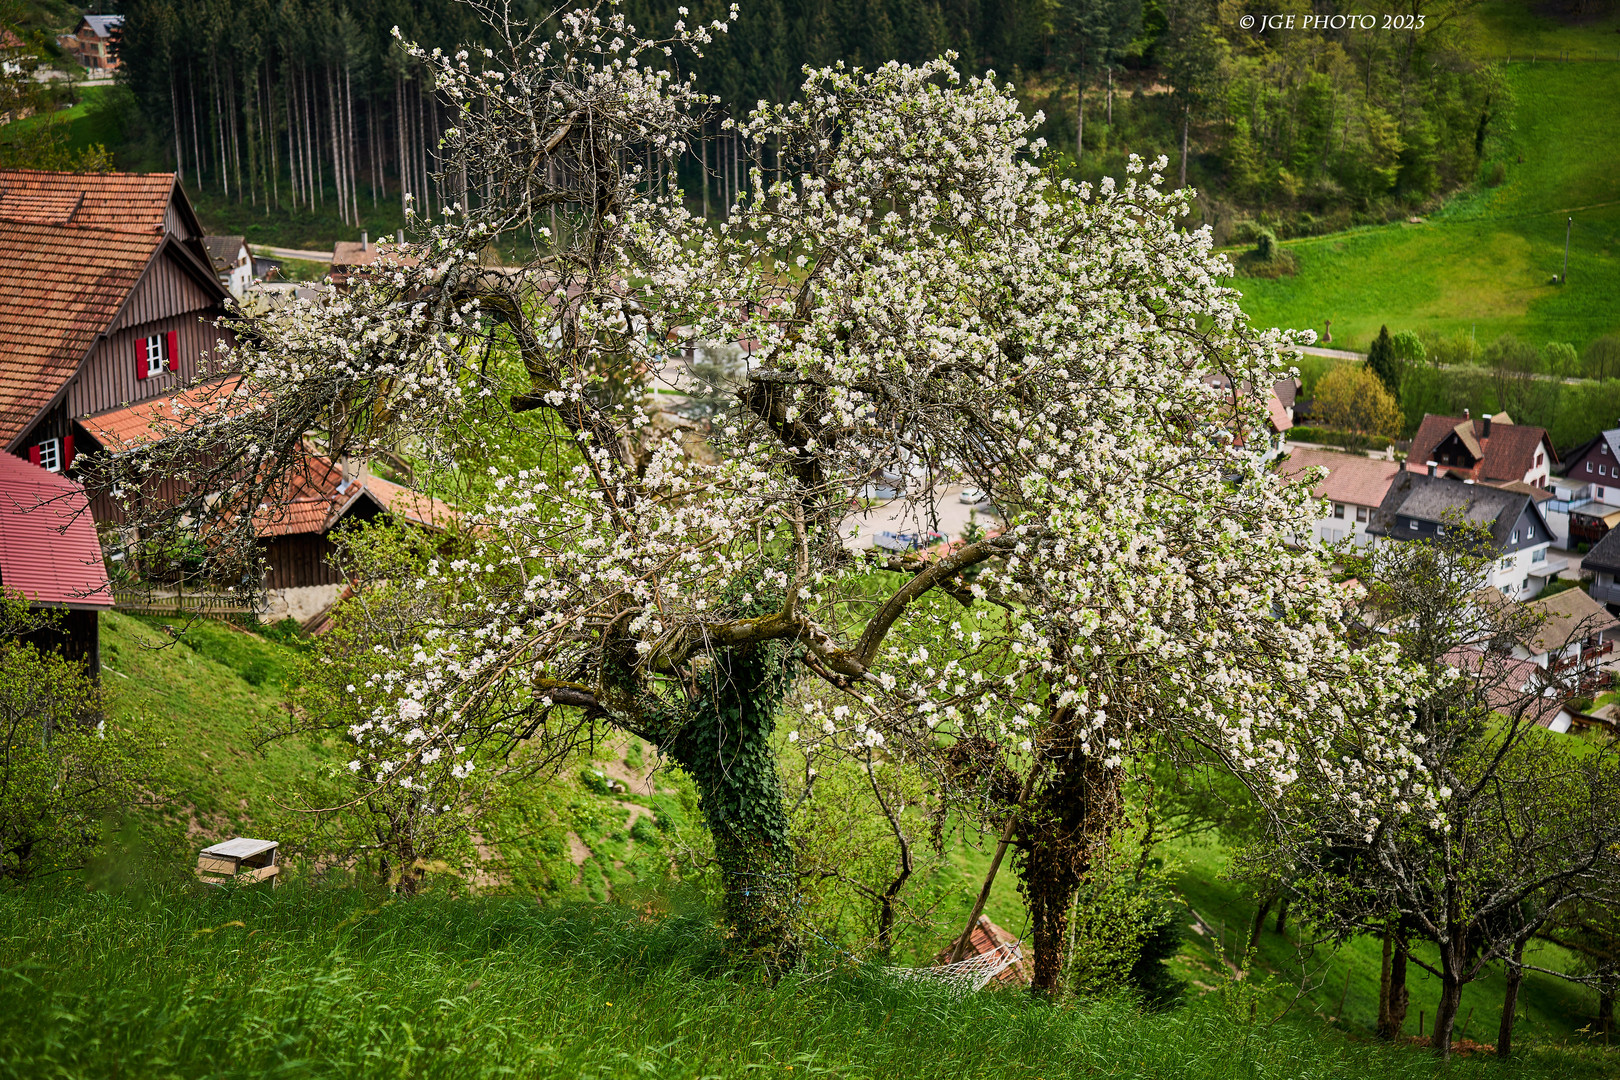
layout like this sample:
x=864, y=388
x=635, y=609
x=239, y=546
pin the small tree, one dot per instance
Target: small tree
x=1351, y=398
x=64, y=768
x=1408, y=347
x=1382, y=362
x=1522, y=831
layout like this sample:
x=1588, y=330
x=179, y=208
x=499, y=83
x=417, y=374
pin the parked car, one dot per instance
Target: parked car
x=895, y=541
x=973, y=496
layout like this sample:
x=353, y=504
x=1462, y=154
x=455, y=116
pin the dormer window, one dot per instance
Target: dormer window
x=48, y=455
x=152, y=354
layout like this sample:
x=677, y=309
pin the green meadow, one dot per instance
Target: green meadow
x=1485, y=262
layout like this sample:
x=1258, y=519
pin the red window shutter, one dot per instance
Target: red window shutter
x=174, y=350
x=140, y=358
x=33, y=453
x=67, y=452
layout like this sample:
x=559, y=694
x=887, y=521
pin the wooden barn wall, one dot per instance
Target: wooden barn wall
x=167, y=289
x=107, y=512
x=300, y=560
x=168, y=300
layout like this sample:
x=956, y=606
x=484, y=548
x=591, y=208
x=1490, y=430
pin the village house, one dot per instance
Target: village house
x=1603, y=563
x=1574, y=637
x=1417, y=506
x=1491, y=449
x=49, y=554
x=95, y=42
x=1354, y=488
x=109, y=300
x=232, y=262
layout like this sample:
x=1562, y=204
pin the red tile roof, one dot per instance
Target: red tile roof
x=1351, y=478
x=146, y=422
x=1508, y=454
x=315, y=500
x=122, y=202
x=48, y=546
x=61, y=288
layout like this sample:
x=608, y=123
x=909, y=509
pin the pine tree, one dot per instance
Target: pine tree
x=1381, y=361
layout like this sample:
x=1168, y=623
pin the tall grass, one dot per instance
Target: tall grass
x=294, y=983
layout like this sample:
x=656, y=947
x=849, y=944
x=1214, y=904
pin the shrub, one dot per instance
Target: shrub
x=67, y=769
x=1265, y=245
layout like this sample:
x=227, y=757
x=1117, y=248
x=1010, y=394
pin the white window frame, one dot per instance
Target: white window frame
x=156, y=362
x=50, y=455
x=1412, y=524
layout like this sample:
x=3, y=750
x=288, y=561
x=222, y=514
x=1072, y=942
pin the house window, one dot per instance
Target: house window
x=1526, y=586
x=152, y=352
x=1603, y=448
x=1600, y=470
x=50, y=455
x=1540, y=555
x=1338, y=510
x=1588, y=466
x=1439, y=530
x=1540, y=457
x=1412, y=525
x=1515, y=539
x=1507, y=563
x=1361, y=514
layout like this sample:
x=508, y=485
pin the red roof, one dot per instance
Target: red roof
x=48, y=546
x=316, y=498
x=61, y=289
x=146, y=422
x=120, y=202
x=1508, y=454
x=1351, y=478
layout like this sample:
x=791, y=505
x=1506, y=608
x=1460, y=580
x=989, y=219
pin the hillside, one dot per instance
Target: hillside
x=1484, y=264
x=608, y=829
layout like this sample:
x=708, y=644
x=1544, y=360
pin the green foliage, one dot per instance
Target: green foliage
x=1126, y=929
x=1480, y=265
x=1382, y=362
x=65, y=769
x=1265, y=244
x=302, y=983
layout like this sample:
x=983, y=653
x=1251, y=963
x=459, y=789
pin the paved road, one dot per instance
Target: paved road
x=291, y=253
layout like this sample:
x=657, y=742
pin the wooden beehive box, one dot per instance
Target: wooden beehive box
x=240, y=859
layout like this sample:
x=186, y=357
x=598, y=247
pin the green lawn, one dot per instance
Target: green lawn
x=1522, y=29
x=189, y=982
x=1484, y=263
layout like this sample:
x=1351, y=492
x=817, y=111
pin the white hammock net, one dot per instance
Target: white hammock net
x=969, y=975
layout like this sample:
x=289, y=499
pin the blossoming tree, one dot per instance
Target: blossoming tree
x=930, y=308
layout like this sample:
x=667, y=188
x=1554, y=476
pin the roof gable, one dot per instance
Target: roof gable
x=1431, y=499
x=1507, y=454
x=62, y=289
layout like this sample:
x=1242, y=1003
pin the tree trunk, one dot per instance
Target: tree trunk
x=1510, y=1002
x=1445, y=1011
x=1605, y=1016
x=1260, y=911
x=1110, y=95
x=723, y=741
x=1186, y=118
x=1392, y=993
x=1282, y=917
x=1067, y=822
x=1080, y=116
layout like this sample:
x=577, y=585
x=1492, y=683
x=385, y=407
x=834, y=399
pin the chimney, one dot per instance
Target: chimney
x=365, y=242
x=1485, y=432
x=1432, y=466
x=1467, y=415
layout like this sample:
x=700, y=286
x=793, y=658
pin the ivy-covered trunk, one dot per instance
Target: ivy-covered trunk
x=723, y=741
x=1067, y=822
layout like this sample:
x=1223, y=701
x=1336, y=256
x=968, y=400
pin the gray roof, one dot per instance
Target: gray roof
x=104, y=25
x=1605, y=554
x=223, y=250
x=1432, y=498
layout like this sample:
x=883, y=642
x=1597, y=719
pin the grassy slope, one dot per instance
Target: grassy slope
x=1520, y=29
x=296, y=983
x=1484, y=263
x=564, y=840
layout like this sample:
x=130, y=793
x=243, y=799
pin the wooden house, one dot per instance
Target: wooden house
x=110, y=300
